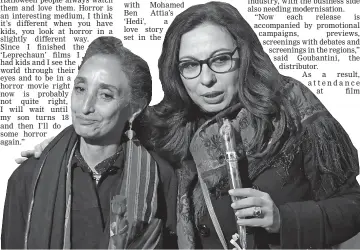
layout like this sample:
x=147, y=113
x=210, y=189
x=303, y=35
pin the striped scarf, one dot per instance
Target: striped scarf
x=132, y=208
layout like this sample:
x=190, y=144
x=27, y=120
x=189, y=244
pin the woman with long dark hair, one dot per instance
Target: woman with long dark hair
x=297, y=165
x=300, y=168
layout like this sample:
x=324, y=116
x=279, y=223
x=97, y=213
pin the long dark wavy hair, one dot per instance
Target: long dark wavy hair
x=259, y=85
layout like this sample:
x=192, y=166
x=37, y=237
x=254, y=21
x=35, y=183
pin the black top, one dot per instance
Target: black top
x=90, y=203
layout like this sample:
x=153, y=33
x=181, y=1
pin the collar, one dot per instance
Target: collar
x=114, y=161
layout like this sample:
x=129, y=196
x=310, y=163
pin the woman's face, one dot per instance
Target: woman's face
x=100, y=98
x=211, y=91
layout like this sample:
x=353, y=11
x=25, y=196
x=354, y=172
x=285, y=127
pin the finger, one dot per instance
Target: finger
x=248, y=202
x=27, y=153
x=37, y=151
x=253, y=222
x=40, y=147
x=46, y=142
x=248, y=212
x=37, y=155
x=20, y=160
x=246, y=192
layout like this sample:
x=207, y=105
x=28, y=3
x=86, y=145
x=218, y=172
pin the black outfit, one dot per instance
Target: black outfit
x=311, y=178
x=90, y=203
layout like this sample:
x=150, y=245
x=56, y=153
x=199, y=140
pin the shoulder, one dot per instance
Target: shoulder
x=302, y=99
x=20, y=182
x=24, y=172
x=167, y=172
x=330, y=158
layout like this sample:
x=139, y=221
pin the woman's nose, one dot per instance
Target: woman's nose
x=88, y=105
x=207, y=76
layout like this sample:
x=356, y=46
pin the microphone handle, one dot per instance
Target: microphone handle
x=227, y=133
x=236, y=183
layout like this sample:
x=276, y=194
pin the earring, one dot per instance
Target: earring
x=130, y=133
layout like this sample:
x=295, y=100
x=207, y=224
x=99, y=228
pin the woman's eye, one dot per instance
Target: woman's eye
x=79, y=89
x=107, y=96
x=189, y=65
x=221, y=59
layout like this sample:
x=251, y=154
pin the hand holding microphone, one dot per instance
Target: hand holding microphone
x=258, y=206
x=247, y=202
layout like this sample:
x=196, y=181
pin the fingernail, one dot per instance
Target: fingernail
x=231, y=191
x=237, y=213
x=232, y=205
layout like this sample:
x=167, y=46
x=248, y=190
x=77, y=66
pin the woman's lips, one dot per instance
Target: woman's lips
x=214, y=97
x=212, y=94
x=84, y=121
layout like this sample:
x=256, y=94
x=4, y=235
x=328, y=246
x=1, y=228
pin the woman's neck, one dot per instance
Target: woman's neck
x=94, y=154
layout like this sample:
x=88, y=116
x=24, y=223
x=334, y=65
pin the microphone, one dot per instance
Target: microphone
x=227, y=133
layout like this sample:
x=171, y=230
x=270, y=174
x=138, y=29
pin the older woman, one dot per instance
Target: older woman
x=300, y=167
x=92, y=188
